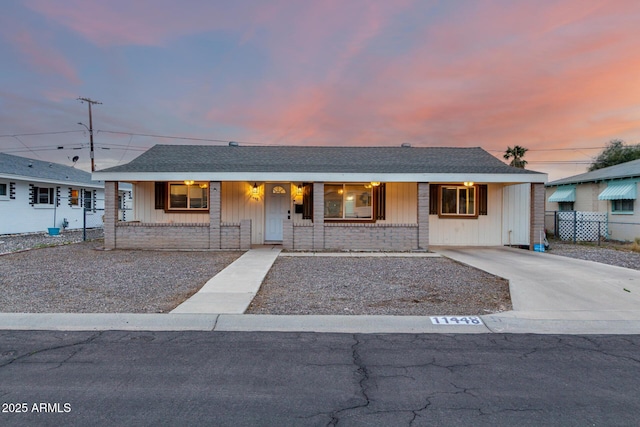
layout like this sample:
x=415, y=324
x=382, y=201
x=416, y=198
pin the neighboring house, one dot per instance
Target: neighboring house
x=125, y=201
x=34, y=192
x=323, y=198
x=610, y=191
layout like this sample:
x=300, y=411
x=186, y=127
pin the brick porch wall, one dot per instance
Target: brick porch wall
x=377, y=237
x=133, y=235
x=162, y=236
x=236, y=235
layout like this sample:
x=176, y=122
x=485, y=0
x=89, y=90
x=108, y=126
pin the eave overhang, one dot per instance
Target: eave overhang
x=517, y=178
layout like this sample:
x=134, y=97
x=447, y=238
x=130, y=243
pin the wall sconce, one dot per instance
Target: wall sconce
x=299, y=193
x=468, y=184
x=255, y=191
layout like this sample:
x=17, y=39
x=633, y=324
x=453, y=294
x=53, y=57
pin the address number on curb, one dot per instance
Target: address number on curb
x=456, y=320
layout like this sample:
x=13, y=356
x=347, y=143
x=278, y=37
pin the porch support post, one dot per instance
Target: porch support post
x=215, y=189
x=110, y=213
x=318, y=216
x=423, y=216
x=536, y=217
x=245, y=234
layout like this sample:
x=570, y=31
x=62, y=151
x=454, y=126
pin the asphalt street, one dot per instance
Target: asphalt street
x=313, y=379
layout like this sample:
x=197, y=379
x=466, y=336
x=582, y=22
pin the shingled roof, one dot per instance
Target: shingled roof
x=38, y=170
x=277, y=159
x=623, y=170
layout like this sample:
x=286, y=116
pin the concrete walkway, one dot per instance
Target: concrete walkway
x=231, y=290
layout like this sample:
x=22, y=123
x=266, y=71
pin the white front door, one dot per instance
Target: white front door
x=277, y=209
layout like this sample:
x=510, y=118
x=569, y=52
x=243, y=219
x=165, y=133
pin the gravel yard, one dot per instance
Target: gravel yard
x=379, y=286
x=79, y=278
x=610, y=254
x=83, y=279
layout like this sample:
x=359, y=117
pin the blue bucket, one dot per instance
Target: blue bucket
x=538, y=248
x=54, y=231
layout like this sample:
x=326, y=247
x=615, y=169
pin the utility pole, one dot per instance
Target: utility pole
x=90, y=101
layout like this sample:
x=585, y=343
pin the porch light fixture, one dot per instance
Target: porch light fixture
x=468, y=184
x=255, y=191
x=375, y=183
x=299, y=193
x=189, y=182
x=203, y=185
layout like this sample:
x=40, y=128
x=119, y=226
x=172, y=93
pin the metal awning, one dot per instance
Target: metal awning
x=564, y=194
x=623, y=190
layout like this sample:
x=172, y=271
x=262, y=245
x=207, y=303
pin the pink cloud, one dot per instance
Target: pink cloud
x=45, y=59
x=151, y=22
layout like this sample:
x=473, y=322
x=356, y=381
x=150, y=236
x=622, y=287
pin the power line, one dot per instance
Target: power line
x=577, y=162
x=39, y=133
x=187, y=138
x=556, y=149
x=163, y=136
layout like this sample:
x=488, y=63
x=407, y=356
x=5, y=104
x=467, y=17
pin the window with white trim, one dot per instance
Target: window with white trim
x=192, y=196
x=44, y=196
x=622, y=206
x=565, y=206
x=74, y=198
x=457, y=201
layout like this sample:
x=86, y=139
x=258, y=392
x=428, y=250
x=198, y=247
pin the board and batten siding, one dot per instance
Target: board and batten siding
x=238, y=204
x=516, y=214
x=401, y=203
x=484, y=230
x=145, y=212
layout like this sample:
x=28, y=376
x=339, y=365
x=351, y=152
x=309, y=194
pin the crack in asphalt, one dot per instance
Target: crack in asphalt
x=416, y=411
x=58, y=347
x=598, y=348
x=363, y=372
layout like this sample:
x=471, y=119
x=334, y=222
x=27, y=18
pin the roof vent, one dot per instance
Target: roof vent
x=30, y=164
x=405, y=145
x=233, y=144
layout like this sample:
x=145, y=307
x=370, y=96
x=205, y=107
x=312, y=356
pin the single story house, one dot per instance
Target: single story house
x=323, y=198
x=36, y=195
x=610, y=191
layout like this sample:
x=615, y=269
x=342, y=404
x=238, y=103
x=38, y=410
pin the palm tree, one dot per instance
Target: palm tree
x=517, y=153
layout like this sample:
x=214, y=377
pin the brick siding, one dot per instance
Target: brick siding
x=389, y=237
x=423, y=216
x=110, y=214
x=162, y=236
x=537, y=214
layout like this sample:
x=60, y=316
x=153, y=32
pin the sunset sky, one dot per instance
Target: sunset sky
x=561, y=78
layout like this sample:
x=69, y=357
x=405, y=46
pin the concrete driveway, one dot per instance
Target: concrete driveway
x=541, y=283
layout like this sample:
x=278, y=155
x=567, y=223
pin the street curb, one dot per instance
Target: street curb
x=506, y=323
